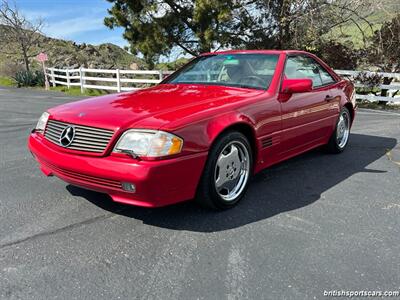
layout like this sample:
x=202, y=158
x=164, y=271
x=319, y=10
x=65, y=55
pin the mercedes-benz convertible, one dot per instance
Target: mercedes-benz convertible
x=202, y=132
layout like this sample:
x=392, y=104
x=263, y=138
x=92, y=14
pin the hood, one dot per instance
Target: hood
x=149, y=108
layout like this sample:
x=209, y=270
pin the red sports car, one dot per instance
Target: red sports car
x=202, y=132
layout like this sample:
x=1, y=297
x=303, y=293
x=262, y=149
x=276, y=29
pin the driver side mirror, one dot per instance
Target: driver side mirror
x=292, y=86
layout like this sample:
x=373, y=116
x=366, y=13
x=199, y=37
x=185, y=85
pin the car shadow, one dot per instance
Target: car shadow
x=287, y=186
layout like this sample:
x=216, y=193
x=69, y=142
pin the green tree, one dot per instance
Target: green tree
x=154, y=27
x=338, y=55
x=385, y=46
x=384, y=51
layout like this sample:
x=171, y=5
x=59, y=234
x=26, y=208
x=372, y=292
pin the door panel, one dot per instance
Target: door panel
x=306, y=117
x=267, y=120
x=334, y=109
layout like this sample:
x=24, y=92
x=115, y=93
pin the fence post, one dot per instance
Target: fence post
x=68, y=80
x=118, y=81
x=53, y=79
x=81, y=74
x=161, y=75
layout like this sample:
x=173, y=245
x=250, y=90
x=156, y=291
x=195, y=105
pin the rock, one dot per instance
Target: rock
x=69, y=54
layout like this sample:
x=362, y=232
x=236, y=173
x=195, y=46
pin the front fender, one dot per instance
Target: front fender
x=200, y=136
x=216, y=126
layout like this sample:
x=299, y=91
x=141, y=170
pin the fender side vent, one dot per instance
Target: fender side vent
x=266, y=142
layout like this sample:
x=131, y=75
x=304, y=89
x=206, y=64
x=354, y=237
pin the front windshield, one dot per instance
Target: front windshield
x=240, y=70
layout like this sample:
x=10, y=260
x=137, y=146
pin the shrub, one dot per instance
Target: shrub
x=371, y=80
x=39, y=78
x=29, y=78
x=25, y=78
x=337, y=55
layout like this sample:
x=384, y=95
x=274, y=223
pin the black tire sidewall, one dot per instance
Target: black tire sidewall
x=333, y=144
x=208, y=191
x=344, y=109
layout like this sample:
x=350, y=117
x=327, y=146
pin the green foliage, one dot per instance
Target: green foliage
x=384, y=51
x=25, y=78
x=194, y=26
x=29, y=78
x=173, y=65
x=76, y=91
x=337, y=55
x=6, y=81
x=63, y=54
x=371, y=80
x=40, y=79
x=359, y=33
x=339, y=31
x=155, y=27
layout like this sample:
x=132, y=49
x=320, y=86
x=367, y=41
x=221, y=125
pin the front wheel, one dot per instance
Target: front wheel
x=340, y=136
x=227, y=172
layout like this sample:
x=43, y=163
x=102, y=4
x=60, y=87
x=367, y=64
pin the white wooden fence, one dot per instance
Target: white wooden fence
x=392, y=88
x=128, y=80
x=114, y=80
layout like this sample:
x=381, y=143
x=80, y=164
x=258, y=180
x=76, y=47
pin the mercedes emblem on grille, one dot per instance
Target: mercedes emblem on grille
x=67, y=136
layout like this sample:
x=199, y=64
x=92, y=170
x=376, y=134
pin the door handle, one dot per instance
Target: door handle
x=329, y=98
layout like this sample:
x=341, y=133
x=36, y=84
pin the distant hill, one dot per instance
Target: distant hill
x=380, y=12
x=63, y=54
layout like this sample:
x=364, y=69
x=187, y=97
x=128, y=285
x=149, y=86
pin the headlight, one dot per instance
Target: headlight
x=149, y=143
x=41, y=124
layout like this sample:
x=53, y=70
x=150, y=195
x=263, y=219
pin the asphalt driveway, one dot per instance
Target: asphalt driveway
x=316, y=222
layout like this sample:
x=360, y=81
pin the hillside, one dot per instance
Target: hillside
x=63, y=54
x=378, y=13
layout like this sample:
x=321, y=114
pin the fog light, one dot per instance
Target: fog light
x=129, y=187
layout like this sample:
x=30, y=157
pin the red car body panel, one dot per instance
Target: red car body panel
x=288, y=124
x=157, y=183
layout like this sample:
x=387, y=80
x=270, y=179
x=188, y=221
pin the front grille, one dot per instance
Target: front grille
x=90, y=139
x=84, y=178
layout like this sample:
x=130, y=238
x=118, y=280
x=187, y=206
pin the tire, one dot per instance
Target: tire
x=227, y=172
x=340, y=136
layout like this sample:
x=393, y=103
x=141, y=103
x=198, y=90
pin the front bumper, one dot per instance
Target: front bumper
x=158, y=183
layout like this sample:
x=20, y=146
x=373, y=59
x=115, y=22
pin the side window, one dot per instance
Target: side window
x=301, y=66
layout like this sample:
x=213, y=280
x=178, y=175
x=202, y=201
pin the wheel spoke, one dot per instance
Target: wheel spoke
x=225, y=158
x=222, y=181
x=231, y=170
x=343, y=130
x=219, y=182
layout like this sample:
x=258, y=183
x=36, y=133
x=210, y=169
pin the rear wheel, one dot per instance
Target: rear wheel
x=227, y=172
x=340, y=136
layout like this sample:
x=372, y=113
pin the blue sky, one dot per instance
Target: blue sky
x=77, y=20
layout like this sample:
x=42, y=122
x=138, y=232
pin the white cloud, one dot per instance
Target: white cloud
x=83, y=23
x=63, y=12
x=34, y=15
x=71, y=27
